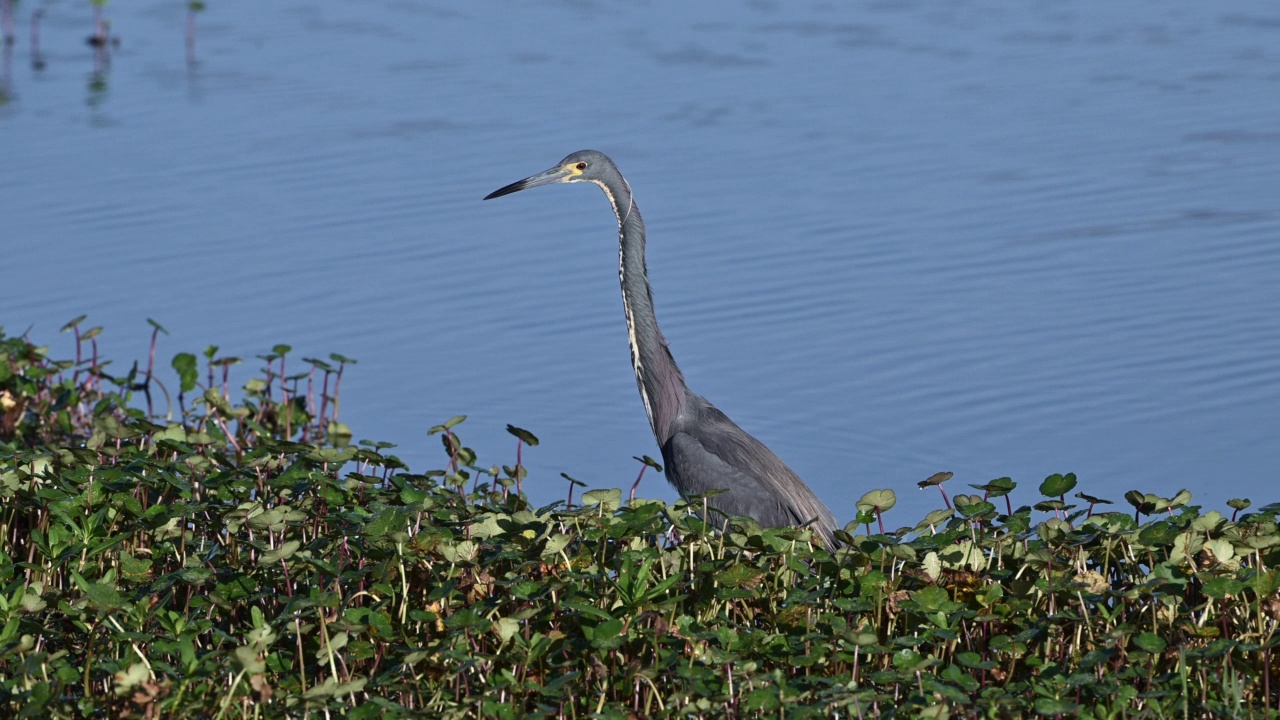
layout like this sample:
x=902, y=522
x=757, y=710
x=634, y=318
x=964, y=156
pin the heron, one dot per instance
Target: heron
x=702, y=449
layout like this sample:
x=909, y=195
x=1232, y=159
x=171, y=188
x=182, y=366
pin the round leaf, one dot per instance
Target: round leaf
x=877, y=501
x=525, y=436
x=1150, y=642
x=935, y=479
x=1058, y=485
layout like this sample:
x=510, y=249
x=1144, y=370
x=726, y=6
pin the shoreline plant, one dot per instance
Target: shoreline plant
x=234, y=554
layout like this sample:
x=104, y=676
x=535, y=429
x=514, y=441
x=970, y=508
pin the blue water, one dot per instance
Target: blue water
x=887, y=238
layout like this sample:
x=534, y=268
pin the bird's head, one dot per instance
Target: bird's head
x=583, y=166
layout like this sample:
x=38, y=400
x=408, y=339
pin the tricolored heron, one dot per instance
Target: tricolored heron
x=702, y=448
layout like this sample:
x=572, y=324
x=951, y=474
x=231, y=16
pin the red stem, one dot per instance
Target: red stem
x=519, y=480
x=636, y=484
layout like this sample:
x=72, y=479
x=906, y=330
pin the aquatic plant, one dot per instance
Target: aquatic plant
x=231, y=552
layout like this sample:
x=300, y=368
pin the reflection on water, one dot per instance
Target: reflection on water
x=887, y=240
x=6, y=72
x=37, y=58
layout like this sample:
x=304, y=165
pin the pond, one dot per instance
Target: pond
x=887, y=238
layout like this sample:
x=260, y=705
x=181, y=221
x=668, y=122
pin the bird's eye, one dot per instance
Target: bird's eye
x=581, y=166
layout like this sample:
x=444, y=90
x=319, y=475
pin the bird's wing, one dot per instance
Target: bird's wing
x=715, y=454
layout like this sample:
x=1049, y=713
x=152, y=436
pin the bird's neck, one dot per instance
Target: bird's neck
x=660, y=381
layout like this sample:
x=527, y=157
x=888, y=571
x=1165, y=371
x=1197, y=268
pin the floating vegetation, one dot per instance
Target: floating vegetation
x=204, y=549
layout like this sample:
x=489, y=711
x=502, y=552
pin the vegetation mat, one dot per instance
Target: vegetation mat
x=213, y=549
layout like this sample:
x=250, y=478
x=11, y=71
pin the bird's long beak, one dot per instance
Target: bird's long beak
x=554, y=175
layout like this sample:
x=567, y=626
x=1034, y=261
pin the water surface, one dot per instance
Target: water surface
x=887, y=238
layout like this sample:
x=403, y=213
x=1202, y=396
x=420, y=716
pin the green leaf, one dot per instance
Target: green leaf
x=71, y=324
x=1185, y=546
x=1058, y=485
x=32, y=602
x=588, y=610
x=935, y=518
x=1222, y=587
x=323, y=690
x=386, y=521
x=609, y=499
x=126, y=680
x=556, y=543
x=284, y=552
x=1146, y=504
x=1091, y=499
x=908, y=660
x=330, y=649
x=552, y=689
x=448, y=424
x=525, y=436
x=932, y=566
x=319, y=364
x=877, y=501
x=174, y=432
x=605, y=635
x=739, y=576
x=998, y=487
x=1150, y=642
x=1054, y=706
x=1222, y=549
x=332, y=455
x=133, y=568
x=932, y=598
x=1260, y=542
x=935, y=479
x=650, y=462
x=460, y=552
x=417, y=499
x=1265, y=584
x=764, y=699
x=573, y=481
x=1138, y=501
x=863, y=637
x=506, y=628
x=1157, y=533
x=101, y=595
x=248, y=659
x=488, y=526
x=971, y=506
x=973, y=660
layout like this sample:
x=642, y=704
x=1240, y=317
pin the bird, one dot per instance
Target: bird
x=702, y=449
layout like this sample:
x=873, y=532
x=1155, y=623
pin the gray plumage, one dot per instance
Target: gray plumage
x=703, y=450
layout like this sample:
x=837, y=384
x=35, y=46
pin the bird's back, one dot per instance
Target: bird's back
x=707, y=451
